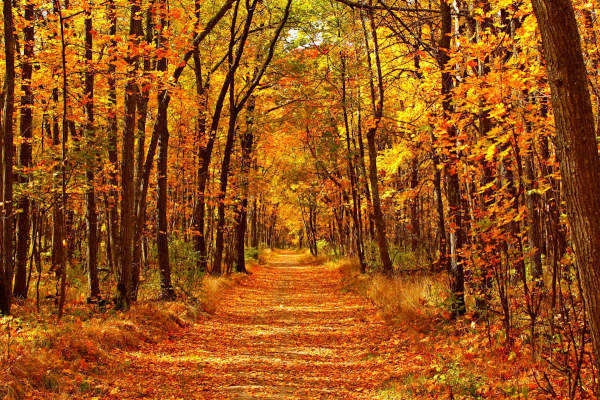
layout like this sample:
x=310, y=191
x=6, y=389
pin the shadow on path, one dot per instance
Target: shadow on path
x=286, y=332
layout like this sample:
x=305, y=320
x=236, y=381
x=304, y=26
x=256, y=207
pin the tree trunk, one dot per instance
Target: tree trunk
x=457, y=280
x=353, y=181
x=7, y=261
x=254, y=225
x=163, y=105
x=377, y=101
x=124, y=288
x=233, y=113
x=162, y=241
x=576, y=145
x=24, y=216
x=223, y=189
x=65, y=135
x=246, y=142
x=139, y=203
x=414, y=206
x=113, y=156
x=90, y=194
x=199, y=207
x=236, y=104
x=57, y=215
x=533, y=212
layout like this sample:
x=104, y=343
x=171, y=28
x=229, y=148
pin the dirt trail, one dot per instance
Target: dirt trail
x=287, y=332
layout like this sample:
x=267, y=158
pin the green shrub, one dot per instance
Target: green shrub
x=183, y=259
x=251, y=253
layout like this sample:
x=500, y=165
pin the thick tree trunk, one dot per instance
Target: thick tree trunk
x=7, y=261
x=24, y=216
x=576, y=145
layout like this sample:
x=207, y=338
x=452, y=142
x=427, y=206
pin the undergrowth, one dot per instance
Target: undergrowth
x=432, y=356
x=401, y=298
x=306, y=258
x=41, y=357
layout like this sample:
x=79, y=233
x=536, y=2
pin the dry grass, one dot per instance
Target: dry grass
x=264, y=255
x=401, y=298
x=213, y=289
x=308, y=258
x=40, y=356
x=42, y=353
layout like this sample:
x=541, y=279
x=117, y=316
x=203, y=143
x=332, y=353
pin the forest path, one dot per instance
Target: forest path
x=288, y=331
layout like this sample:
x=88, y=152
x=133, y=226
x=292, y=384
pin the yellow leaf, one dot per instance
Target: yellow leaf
x=491, y=152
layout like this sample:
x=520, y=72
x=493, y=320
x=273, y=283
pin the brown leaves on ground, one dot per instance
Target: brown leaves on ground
x=284, y=332
x=289, y=330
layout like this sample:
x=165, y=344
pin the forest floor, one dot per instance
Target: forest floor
x=285, y=332
x=293, y=329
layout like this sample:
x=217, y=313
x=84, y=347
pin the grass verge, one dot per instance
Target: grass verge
x=401, y=298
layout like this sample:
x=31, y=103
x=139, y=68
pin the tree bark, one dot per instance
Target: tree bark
x=113, y=156
x=162, y=240
x=414, y=206
x=65, y=135
x=254, y=225
x=353, y=181
x=140, y=211
x=90, y=194
x=223, y=186
x=246, y=143
x=199, y=206
x=533, y=211
x=24, y=216
x=457, y=279
x=377, y=100
x=124, y=287
x=576, y=145
x=236, y=107
x=163, y=105
x=7, y=162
